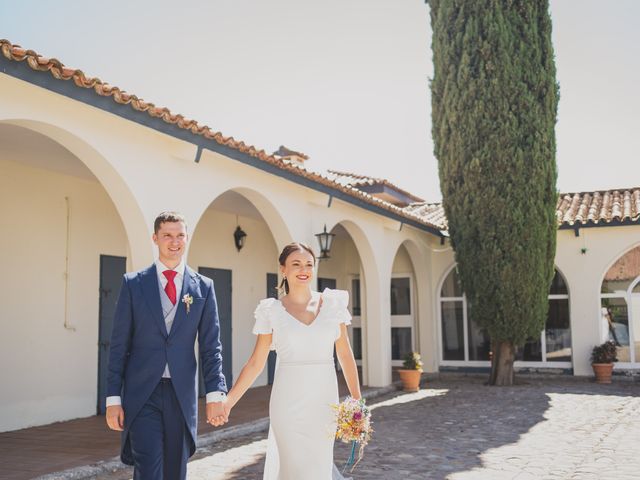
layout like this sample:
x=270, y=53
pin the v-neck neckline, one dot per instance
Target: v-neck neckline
x=318, y=312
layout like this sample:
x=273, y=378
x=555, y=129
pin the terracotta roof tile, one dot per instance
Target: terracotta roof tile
x=573, y=209
x=355, y=180
x=287, y=152
x=432, y=212
x=601, y=207
x=61, y=72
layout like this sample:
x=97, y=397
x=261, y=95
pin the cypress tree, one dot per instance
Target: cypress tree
x=494, y=106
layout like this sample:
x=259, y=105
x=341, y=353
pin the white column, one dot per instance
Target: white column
x=584, y=309
x=426, y=335
x=378, y=285
x=378, y=331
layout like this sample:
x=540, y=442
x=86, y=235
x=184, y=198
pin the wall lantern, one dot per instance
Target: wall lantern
x=238, y=237
x=325, y=240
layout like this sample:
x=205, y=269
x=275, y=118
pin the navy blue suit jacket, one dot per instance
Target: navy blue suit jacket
x=141, y=347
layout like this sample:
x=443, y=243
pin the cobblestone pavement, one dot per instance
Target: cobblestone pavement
x=460, y=429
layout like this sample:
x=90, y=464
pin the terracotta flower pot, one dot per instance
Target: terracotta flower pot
x=603, y=372
x=410, y=379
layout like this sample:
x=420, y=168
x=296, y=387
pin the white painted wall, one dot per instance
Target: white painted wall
x=48, y=372
x=584, y=274
x=402, y=262
x=141, y=172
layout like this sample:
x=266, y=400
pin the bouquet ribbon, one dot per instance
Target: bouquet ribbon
x=351, y=461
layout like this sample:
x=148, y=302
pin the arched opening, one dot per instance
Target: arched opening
x=462, y=342
x=404, y=307
x=343, y=270
x=241, y=277
x=620, y=302
x=356, y=268
x=554, y=344
x=67, y=249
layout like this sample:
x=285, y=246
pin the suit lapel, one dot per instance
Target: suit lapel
x=151, y=292
x=189, y=287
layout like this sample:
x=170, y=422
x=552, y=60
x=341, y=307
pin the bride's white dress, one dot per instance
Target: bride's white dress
x=302, y=422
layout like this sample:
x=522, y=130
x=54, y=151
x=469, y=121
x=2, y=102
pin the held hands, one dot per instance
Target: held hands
x=115, y=417
x=217, y=414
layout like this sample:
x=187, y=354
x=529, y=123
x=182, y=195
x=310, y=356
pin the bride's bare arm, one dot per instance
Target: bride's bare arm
x=251, y=370
x=347, y=362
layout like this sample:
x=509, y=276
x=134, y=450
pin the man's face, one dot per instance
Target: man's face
x=171, y=240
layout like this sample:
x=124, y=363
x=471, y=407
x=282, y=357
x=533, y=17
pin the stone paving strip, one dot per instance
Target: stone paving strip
x=460, y=429
x=222, y=465
x=114, y=469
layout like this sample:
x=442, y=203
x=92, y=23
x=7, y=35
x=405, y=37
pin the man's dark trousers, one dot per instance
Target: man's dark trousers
x=160, y=438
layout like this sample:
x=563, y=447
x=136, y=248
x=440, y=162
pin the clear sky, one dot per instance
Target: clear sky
x=344, y=81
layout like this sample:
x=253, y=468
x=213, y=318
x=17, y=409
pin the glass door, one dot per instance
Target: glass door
x=355, y=329
x=402, y=318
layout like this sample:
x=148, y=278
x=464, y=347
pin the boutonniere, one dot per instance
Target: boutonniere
x=188, y=301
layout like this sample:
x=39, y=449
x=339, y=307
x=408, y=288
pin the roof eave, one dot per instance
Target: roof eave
x=591, y=224
x=23, y=71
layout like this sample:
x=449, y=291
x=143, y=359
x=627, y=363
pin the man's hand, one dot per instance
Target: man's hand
x=115, y=417
x=216, y=414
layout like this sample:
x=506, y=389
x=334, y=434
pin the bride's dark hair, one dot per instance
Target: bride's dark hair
x=288, y=250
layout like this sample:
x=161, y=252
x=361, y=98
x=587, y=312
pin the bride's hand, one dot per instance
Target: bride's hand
x=227, y=409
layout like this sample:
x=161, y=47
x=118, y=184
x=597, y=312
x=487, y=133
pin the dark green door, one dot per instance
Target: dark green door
x=272, y=292
x=222, y=286
x=326, y=283
x=111, y=271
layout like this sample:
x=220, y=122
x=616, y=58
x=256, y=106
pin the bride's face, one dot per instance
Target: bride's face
x=298, y=268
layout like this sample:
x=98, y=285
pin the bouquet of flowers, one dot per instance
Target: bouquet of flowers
x=354, y=425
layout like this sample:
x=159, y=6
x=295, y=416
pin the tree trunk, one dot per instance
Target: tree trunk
x=504, y=354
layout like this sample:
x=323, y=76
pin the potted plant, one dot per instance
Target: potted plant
x=410, y=374
x=602, y=358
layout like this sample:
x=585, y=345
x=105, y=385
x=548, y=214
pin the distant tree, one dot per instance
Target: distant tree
x=494, y=106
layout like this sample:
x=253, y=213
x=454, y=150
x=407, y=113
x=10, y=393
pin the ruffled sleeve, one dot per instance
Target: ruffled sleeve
x=263, y=317
x=337, y=303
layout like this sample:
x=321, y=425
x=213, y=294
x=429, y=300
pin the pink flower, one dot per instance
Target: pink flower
x=357, y=416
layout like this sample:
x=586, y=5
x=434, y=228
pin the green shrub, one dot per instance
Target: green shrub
x=604, y=353
x=412, y=361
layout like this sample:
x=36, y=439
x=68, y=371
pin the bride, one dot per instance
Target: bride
x=303, y=328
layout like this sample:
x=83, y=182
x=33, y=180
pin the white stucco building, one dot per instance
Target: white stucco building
x=85, y=168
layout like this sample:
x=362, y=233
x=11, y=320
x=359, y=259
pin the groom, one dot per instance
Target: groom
x=151, y=386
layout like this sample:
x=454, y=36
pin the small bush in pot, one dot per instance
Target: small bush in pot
x=412, y=361
x=602, y=358
x=411, y=372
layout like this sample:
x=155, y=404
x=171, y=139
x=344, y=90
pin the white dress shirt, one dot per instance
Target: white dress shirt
x=177, y=280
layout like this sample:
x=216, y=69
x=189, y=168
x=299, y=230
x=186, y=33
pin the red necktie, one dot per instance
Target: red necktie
x=170, y=288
